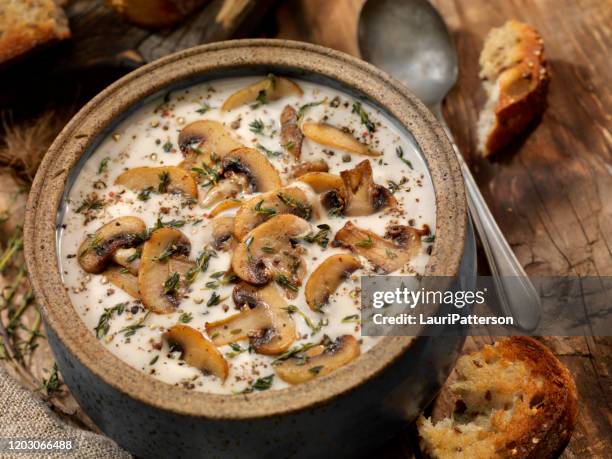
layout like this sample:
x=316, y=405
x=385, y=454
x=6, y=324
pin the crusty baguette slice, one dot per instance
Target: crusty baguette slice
x=29, y=24
x=516, y=81
x=514, y=399
x=154, y=13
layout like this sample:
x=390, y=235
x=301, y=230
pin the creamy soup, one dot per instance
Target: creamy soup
x=232, y=271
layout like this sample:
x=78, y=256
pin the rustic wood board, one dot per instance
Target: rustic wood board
x=552, y=193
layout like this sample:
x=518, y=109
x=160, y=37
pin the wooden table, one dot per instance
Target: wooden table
x=552, y=194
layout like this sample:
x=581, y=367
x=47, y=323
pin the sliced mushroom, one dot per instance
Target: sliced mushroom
x=389, y=254
x=291, y=136
x=270, y=89
x=167, y=179
x=263, y=319
x=223, y=233
x=223, y=206
x=331, y=136
x=201, y=140
x=257, y=210
x=321, y=182
x=163, y=255
x=128, y=259
x=125, y=280
x=232, y=185
x=267, y=253
x=97, y=250
x=327, y=277
x=319, y=360
x=197, y=351
x=361, y=195
x=261, y=174
x=310, y=166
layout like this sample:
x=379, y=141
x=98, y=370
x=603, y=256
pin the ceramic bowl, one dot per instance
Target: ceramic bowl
x=353, y=409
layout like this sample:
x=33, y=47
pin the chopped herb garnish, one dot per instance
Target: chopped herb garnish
x=291, y=309
x=185, y=317
x=171, y=283
x=260, y=384
x=365, y=119
x=351, y=318
x=304, y=211
x=257, y=126
x=214, y=300
x=321, y=237
x=270, y=153
x=135, y=256
x=167, y=146
x=315, y=370
x=91, y=202
x=170, y=223
x=203, y=108
x=236, y=350
x=294, y=352
x=52, y=383
x=267, y=249
x=400, y=154
x=365, y=243
x=103, y=167
x=302, y=110
x=211, y=176
x=267, y=211
x=154, y=360
x=124, y=271
x=430, y=238
x=104, y=322
x=145, y=195
x=393, y=186
x=335, y=212
x=170, y=250
x=201, y=265
x=286, y=283
x=164, y=182
x=133, y=328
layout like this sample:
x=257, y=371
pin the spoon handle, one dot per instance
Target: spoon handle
x=517, y=295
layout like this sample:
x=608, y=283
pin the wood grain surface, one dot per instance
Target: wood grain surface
x=551, y=193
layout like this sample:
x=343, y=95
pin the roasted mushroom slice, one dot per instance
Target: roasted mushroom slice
x=197, y=351
x=321, y=182
x=224, y=205
x=223, y=233
x=128, y=258
x=167, y=179
x=301, y=169
x=319, y=360
x=389, y=254
x=263, y=319
x=257, y=210
x=268, y=90
x=125, y=280
x=327, y=277
x=267, y=253
x=97, y=250
x=232, y=185
x=331, y=136
x=162, y=268
x=201, y=140
x=291, y=136
x=261, y=174
x=361, y=195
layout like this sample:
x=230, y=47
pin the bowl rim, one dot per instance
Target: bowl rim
x=121, y=96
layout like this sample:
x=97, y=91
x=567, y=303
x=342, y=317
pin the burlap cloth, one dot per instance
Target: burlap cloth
x=24, y=416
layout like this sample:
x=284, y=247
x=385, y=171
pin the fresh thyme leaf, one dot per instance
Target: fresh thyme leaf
x=218, y=274
x=400, y=154
x=302, y=110
x=365, y=119
x=203, y=108
x=124, y=270
x=185, y=317
x=164, y=181
x=267, y=211
x=335, y=212
x=351, y=318
x=236, y=350
x=133, y=328
x=136, y=255
x=170, y=250
x=270, y=153
x=104, y=322
x=171, y=283
x=267, y=249
x=286, y=283
x=145, y=195
x=430, y=238
x=211, y=285
x=321, y=237
x=304, y=211
x=257, y=126
x=291, y=309
x=293, y=352
x=201, y=265
x=210, y=175
x=170, y=223
x=52, y=383
x=92, y=202
x=214, y=300
x=167, y=146
x=316, y=369
x=260, y=384
x=103, y=167
x=365, y=243
x=154, y=360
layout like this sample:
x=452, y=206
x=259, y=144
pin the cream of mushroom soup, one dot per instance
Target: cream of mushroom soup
x=215, y=240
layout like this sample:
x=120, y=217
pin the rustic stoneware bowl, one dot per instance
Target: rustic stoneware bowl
x=343, y=414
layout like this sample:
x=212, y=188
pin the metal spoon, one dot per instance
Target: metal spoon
x=410, y=40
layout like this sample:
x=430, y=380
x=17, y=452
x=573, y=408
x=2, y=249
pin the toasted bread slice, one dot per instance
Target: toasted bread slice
x=514, y=399
x=516, y=81
x=29, y=24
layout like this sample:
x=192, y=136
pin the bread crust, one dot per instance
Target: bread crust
x=22, y=36
x=522, y=89
x=154, y=13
